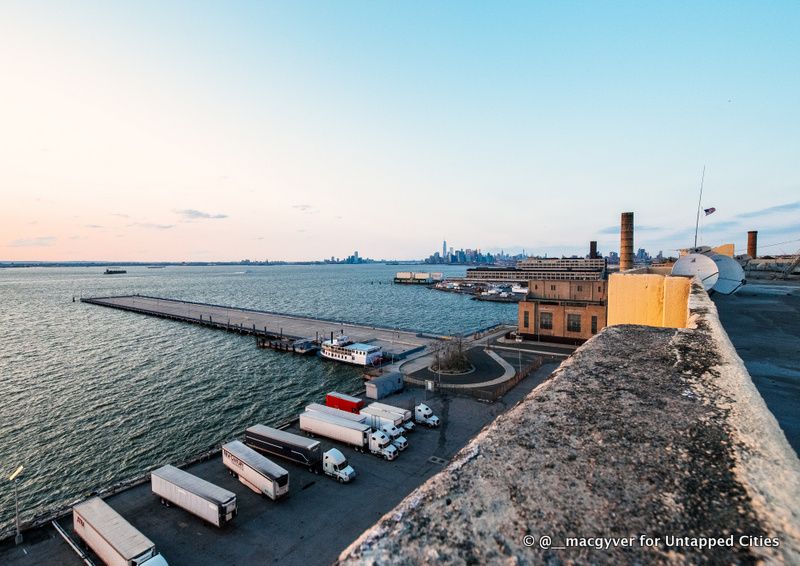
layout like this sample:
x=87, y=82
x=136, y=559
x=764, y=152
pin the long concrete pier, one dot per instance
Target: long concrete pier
x=397, y=343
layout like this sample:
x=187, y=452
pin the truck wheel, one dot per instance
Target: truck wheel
x=340, y=479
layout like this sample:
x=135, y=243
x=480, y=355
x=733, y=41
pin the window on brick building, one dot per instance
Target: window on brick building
x=573, y=323
x=546, y=321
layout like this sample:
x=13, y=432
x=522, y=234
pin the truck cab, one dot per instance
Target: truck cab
x=334, y=464
x=381, y=445
x=396, y=435
x=408, y=426
x=424, y=415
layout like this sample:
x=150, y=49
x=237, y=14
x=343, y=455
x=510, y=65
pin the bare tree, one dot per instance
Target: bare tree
x=450, y=356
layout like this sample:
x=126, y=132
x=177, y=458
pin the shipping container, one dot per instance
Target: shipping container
x=384, y=385
x=197, y=496
x=344, y=402
x=113, y=539
x=284, y=444
x=255, y=471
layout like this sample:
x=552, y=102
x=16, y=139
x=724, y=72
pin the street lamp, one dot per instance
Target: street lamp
x=15, y=478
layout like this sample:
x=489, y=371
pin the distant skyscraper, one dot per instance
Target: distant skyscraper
x=444, y=248
x=355, y=254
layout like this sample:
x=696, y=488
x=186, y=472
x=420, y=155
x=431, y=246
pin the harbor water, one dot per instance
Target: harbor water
x=92, y=396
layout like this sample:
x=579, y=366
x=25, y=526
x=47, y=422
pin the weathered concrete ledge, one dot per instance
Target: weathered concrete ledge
x=643, y=431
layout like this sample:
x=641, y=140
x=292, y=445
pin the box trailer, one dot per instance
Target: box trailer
x=284, y=445
x=197, y=496
x=318, y=408
x=113, y=539
x=358, y=435
x=254, y=470
x=299, y=449
x=408, y=421
x=384, y=385
x=344, y=402
x=374, y=414
x=346, y=431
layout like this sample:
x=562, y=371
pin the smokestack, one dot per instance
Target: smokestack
x=752, y=243
x=593, y=250
x=626, y=241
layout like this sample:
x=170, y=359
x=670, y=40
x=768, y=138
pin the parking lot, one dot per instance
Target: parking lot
x=318, y=519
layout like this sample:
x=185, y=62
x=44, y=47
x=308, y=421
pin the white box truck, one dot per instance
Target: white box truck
x=254, y=470
x=358, y=435
x=388, y=423
x=199, y=497
x=408, y=421
x=113, y=539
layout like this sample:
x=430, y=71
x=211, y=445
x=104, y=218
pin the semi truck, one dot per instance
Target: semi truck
x=388, y=423
x=113, y=539
x=408, y=421
x=254, y=470
x=301, y=450
x=358, y=435
x=344, y=402
x=424, y=415
x=197, y=496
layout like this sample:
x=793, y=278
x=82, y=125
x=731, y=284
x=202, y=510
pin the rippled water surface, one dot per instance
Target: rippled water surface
x=91, y=395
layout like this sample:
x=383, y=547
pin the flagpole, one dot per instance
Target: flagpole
x=699, y=204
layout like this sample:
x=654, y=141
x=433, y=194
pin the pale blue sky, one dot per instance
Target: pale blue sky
x=301, y=130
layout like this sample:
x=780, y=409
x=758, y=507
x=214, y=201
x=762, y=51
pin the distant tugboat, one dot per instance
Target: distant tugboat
x=111, y=271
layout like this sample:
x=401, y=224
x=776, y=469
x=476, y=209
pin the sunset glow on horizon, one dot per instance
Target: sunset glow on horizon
x=305, y=130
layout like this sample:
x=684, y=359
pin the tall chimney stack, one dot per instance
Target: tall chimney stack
x=626, y=241
x=752, y=243
x=592, y=250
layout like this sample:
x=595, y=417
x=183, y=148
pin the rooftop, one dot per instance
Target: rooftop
x=643, y=431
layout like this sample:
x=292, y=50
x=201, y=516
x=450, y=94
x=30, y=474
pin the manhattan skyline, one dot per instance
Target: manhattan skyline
x=161, y=132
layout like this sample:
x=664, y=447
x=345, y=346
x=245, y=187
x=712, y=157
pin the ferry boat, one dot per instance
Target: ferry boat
x=113, y=271
x=342, y=349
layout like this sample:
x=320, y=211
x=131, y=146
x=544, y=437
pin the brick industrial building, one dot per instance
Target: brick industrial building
x=561, y=308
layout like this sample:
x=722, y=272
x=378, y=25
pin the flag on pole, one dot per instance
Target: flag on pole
x=708, y=211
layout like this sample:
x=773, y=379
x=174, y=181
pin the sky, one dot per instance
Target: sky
x=195, y=131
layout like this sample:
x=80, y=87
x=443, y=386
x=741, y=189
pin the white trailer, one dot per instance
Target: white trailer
x=408, y=421
x=199, y=497
x=319, y=408
x=358, y=435
x=113, y=539
x=352, y=433
x=254, y=470
x=373, y=414
x=388, y=423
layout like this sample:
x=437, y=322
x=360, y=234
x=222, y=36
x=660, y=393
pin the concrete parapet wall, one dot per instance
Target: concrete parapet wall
x=651, y=299
x=644, y=431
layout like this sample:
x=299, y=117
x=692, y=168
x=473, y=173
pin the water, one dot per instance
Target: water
x=91, y=395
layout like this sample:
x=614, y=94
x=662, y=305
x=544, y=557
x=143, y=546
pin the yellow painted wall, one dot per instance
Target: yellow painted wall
x=724, y=249
x=649, y=299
